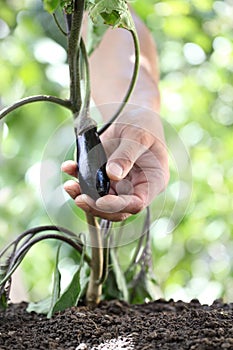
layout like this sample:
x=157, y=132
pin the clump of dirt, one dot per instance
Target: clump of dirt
x=116, y=325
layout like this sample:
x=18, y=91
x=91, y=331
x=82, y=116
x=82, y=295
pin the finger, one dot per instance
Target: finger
x=69, y=167
x=123, y=158
x=120, y=204
x=88, y=205
x=72, y=188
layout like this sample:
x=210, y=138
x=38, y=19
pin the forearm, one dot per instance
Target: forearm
x=137, y=159
x=112, y=66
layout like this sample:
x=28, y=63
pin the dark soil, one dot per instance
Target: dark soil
x=116, y=325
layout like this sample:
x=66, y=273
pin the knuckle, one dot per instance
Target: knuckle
x=138, y=135
x=144, y=138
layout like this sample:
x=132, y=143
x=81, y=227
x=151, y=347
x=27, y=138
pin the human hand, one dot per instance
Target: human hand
x=137, y=167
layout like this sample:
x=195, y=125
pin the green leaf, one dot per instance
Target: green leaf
x=73, y=292
x=71, y=295
x=114, y=13
x=67, y=5
x=94, y=35
x=110, y=288
x=46, y=306
x=119, y=275
x=40, y=307
x=3, y=301
x=141, y=285
x=64, y=3
x=56, y=284
x=51, y=5
x=76, y=287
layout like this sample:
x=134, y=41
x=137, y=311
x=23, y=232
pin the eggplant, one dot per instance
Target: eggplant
x=92, y=160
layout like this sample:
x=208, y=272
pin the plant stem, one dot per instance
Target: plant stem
x=94, y=289
x=58, y=25
x=131, y=85
x=19, y=255
x=73, y=53
x=86, y=72
x=35, y=230
x=36, y=98
x=74, y=50
x=145, y=231
x=105, y=262
x=106, y=234
x=20, y=249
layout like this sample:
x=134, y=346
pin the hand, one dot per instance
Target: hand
x=137, y=167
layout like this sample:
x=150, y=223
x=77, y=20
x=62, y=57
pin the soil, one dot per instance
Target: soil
x=117, y=325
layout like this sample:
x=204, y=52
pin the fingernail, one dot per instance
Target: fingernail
x=115, y=170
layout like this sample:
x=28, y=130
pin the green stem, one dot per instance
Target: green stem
x=106, y=250
x=23, y=251
x=86, y=70
x=35, y=230
x=83, y=120
x=73, y=53
x=94, y=289
x=146, y=228
x=36, y=98
x=131, y=85
x=58, y=25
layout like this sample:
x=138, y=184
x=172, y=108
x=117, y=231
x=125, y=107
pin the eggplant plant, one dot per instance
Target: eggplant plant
x=99, y=266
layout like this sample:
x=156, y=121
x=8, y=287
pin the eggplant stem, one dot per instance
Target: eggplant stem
x=87, y=96
x=94, y=289
x=74, y=30
x=106, y=251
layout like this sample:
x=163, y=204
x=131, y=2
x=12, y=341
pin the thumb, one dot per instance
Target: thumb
x=123, y=158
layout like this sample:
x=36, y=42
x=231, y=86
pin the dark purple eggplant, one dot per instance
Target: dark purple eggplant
x=91, y=159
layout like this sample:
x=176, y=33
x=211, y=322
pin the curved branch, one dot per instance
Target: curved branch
x=13, y=263
x=65, y=239
x=131, y=85
x=36, y=98
x=23, y=251
x=33, y=231
x=58, y=25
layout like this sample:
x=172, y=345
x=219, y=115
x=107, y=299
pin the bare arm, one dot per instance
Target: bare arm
x=112, y=66
x=137, y=159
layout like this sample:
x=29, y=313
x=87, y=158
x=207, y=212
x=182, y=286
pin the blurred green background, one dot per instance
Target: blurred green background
x=192, y=238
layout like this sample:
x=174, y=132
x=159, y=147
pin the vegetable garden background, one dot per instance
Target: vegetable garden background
x=192, y=239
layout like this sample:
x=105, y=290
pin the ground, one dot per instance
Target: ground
x=117, y=325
